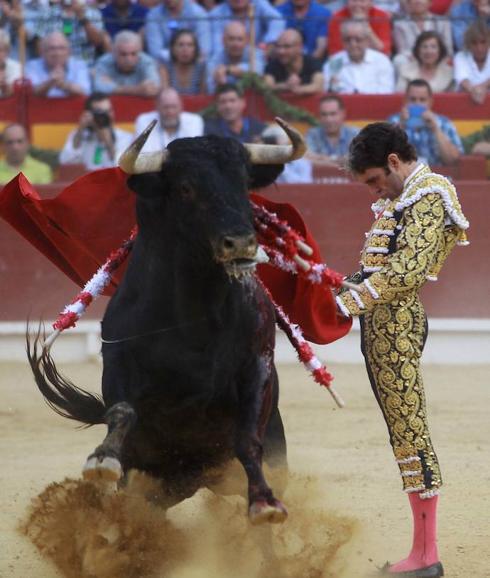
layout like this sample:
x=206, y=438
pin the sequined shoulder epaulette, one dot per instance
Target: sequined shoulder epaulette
x=425, y=182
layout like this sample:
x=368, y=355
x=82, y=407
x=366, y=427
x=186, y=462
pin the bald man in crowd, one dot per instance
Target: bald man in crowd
x=56, y=73
x=127, y=70
x=290, y=70
x=267, y=23
x=358, y=69
x=233, y=59
x=172, y=121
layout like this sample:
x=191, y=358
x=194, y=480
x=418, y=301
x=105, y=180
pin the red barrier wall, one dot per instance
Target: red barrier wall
x=338, y=216
x=49, y=120
x=359, y=106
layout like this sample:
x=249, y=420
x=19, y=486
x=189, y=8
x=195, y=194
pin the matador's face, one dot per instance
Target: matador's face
x=382, y=181
x=387, y=182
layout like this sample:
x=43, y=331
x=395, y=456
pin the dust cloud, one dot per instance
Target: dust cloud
x=93, y=531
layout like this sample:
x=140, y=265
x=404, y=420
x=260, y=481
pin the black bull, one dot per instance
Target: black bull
x=189, y=380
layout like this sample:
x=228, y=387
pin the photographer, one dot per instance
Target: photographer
x=96, y=143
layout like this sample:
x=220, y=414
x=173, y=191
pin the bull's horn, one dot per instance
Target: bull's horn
x=262, y=154
x=134, y=162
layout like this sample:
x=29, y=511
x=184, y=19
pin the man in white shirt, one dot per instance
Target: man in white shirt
x=172, y=121
x=96, y=143
x=472, y=65
x=357, y=68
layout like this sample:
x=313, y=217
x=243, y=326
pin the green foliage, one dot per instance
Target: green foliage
x=48, y=156
x=482, y=135
x=255, y=82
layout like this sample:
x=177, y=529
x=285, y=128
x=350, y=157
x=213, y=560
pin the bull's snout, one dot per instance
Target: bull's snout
x=231, y=247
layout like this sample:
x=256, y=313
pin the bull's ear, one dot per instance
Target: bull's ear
x=147, y=185
x=264, y=175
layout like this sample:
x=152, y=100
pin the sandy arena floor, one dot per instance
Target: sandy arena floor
x=347, y=512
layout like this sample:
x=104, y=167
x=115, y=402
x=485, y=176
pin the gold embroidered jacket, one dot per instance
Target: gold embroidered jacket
x=408, y=242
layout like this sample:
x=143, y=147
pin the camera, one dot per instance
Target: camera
x=102, y=119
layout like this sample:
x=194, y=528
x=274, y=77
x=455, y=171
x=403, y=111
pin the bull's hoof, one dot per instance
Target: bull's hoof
x=104, y=469
x=261, y=512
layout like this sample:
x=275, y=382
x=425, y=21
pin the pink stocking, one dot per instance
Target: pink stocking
x=424, y=549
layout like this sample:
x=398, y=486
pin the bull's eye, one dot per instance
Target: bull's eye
x=187, y=192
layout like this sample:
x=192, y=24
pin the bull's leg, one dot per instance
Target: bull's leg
x=263, y=506
x=275, y=452
x=255, y=409
x=104, y=463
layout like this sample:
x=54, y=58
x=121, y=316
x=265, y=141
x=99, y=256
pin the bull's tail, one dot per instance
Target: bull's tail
x=65, y=398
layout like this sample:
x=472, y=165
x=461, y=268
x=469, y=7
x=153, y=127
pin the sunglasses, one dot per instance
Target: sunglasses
x=354, y=38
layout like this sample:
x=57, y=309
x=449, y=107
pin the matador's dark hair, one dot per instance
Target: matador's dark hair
x=371, y=147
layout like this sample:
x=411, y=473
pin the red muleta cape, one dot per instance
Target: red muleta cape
x=78, y=229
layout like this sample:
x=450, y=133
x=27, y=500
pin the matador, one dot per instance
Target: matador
x=418, y=221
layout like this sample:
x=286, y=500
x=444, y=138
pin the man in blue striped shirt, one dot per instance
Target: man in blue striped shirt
x=329, y=143
x=434, y=136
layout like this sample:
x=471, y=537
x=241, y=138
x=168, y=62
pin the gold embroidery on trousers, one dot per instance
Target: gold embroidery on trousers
x=393, y=338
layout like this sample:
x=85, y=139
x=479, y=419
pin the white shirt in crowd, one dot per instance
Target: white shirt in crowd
x=12, y=70
x=190, y=125
x=91, y=152
x=465, y=68
x=298, y=171
x=375, y=74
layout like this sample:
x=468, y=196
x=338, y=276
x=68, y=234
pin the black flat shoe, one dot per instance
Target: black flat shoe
x=433, y=571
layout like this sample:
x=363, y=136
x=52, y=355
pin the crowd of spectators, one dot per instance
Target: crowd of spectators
x=302, y=46
x=167, y=48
